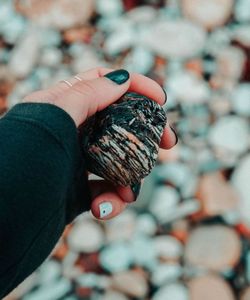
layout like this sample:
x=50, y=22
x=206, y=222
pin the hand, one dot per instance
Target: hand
x=81, y=97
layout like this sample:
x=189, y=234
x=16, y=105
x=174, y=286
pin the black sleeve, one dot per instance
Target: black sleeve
x=43, y=186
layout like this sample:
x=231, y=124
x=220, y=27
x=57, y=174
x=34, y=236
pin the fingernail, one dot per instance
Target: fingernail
x=105, y=209
x=166, y=96
x=174, y=134
x=136, y=189
x=118, y=76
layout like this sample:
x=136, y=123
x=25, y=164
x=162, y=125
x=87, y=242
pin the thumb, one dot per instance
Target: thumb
x=85, y=97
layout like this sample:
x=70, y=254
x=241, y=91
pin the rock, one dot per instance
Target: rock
x=210, y=287
x=51, y=291
x=214, y=247
x=242, y=12
x=241, y=34
x=113, y=295
x=162, y=39
x=210, y=14
x=240, y=180
x=121, y=227
x=121, y=142
x=109, y=8
x=146, y=224
x=188, y=87
x=216, y=195
x=165, y=273
x=49, y=271
x=230, y=62
x=60, y=14
x=116, y=257
x=131, y=283
x=143, y=251
x=25, y=54
x=230, y=134
x=139, y=60
x=167, y=247
x=172, y=291
x=86, y=236
x=240, y=99
x=164, y=199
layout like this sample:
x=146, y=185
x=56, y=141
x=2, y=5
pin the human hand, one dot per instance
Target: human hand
x=87, y=93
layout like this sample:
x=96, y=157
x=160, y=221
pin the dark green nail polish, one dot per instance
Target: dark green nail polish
x=136, y=189
x=166, y=97
x=118, y=76
x=174, y=134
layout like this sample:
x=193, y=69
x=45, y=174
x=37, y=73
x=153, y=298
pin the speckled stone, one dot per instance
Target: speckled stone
x=121, y=142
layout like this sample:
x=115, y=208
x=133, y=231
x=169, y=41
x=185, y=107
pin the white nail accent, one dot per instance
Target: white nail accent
x=105, y=209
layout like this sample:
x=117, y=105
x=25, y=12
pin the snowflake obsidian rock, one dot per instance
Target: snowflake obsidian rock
x=121, y=142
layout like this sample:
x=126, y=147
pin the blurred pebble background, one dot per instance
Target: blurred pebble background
x=187, y=237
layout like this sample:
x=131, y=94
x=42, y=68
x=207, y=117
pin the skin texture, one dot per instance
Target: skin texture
x=83, y=99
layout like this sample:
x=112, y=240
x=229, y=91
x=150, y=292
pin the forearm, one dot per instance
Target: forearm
x=40, y=187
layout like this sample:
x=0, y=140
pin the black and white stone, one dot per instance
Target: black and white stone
x=121, y=142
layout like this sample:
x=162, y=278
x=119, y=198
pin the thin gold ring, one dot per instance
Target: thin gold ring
x=68, y=83
x=78, y=78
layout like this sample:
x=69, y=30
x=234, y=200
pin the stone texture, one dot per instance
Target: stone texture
x=121, y=142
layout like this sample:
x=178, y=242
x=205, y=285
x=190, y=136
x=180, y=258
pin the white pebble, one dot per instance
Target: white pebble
x=51, y=57
x=164, y=199
x=166, y=272
x=175, y=38
x=242, y=10
x=116, y=257
x=240, y=99
x=240, y=180
x=25, y=54
x=167, y=247
x=86, y=236
x=139, y=60
x=146, y=224
x=172, y=291
x=230, y=133
x=109, y=8
x=188, y=87
x=49, y=271
x=51, y=291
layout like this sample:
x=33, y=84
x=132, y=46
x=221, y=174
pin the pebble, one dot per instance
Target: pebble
x=240, y=180
x=59, y=14
x=122, y=227
x=165, y=273
x=240, y=99
x=164, y=199
x=230, y=134
x=109, y=8
x=51, y=291
x=143, y=251
x=167, y=247
x=210, y=287
x=25, y=54
x=142, y=14
x=86, y=236
x=176, y=39
x=113, y=295
x=51, y=57
x=116, y=257
x=188, y=88
x=213, y=247
x=172, y=291
x=130, y=283
x=242, y=12
x=241, y=34
x=139, y=60
x=49, y=272
x=210, y=14
x=230, y=62
x=145, y=224
x=217, y=196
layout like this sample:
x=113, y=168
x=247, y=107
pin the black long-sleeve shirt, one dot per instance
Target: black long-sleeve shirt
x=43, y=186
